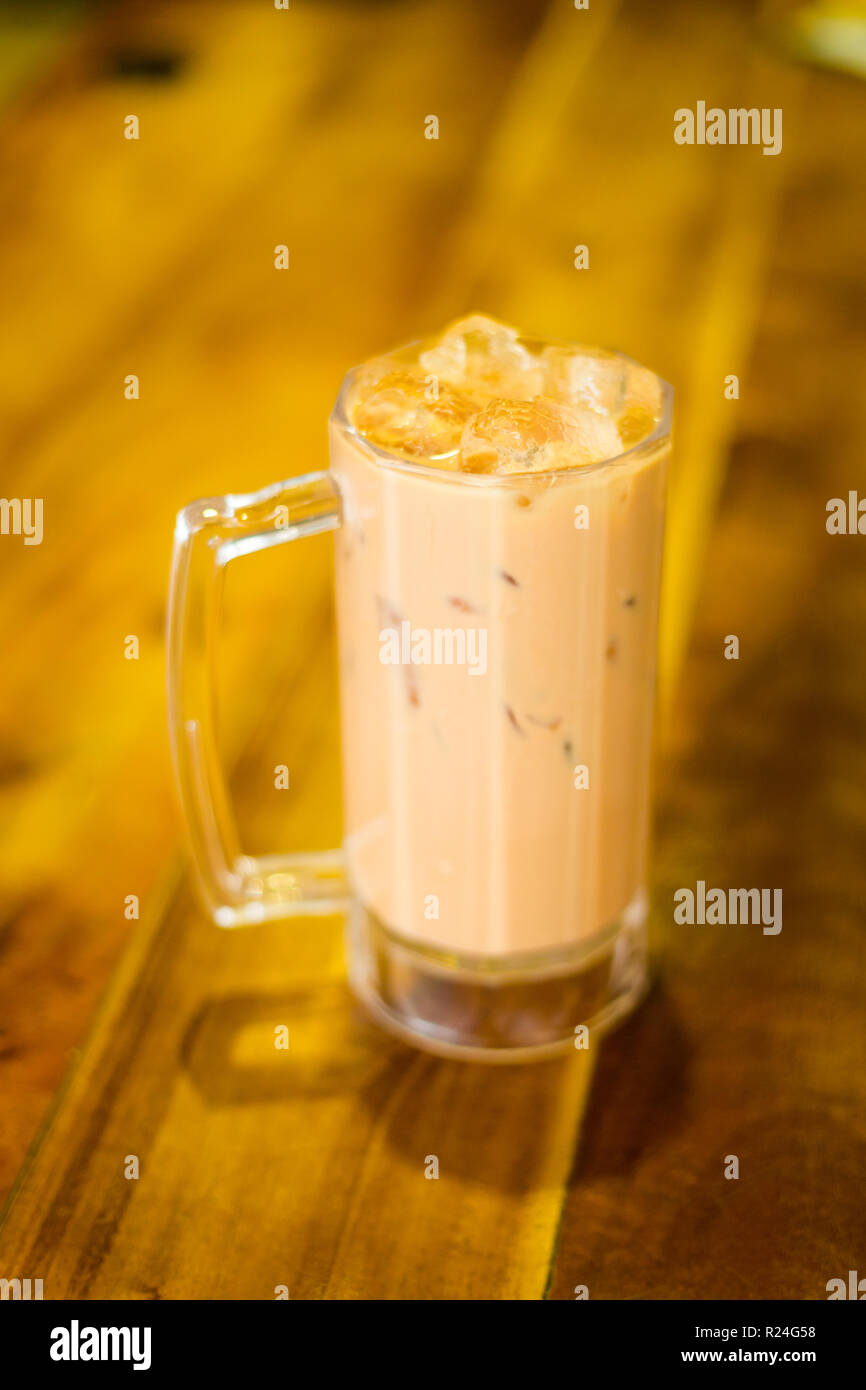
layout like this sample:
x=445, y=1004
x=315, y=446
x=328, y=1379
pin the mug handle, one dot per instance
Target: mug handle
x=237, y=889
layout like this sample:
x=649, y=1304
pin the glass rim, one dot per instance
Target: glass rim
x=654, y=440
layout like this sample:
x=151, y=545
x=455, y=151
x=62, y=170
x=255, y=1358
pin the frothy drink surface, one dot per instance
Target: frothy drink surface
x=498, y=602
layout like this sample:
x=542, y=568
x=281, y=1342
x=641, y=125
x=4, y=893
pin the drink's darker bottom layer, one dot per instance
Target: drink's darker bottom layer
x=501, y=1009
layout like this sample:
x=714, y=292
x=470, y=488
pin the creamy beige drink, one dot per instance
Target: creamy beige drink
x=498, y=573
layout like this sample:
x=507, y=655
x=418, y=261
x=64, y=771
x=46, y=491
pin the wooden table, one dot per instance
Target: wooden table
x=306, y=1169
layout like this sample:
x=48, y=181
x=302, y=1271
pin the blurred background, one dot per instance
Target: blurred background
x=305, y=127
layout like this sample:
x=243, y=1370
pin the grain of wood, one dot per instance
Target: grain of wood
x=753, y=1046
x=306, y=1168
x=157, y=257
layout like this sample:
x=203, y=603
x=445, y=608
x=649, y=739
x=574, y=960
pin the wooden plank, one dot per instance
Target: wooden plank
x=260, y=1167
x=753, y=1046
x=156, y=257
x=236, y=1138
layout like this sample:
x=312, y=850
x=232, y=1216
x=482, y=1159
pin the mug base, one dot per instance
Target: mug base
x=518, y=1008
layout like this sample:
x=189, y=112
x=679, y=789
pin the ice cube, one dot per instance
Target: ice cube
x=409, y=413
x=628, y=394
x=478, y=354
x=574, y=375
x=642, y=405
x=515, y=436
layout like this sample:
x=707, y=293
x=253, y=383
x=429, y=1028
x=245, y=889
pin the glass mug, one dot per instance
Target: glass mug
x=497, y=646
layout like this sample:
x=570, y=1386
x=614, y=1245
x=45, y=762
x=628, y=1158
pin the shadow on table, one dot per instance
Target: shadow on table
x=510, y=1127
x=639, y=1091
